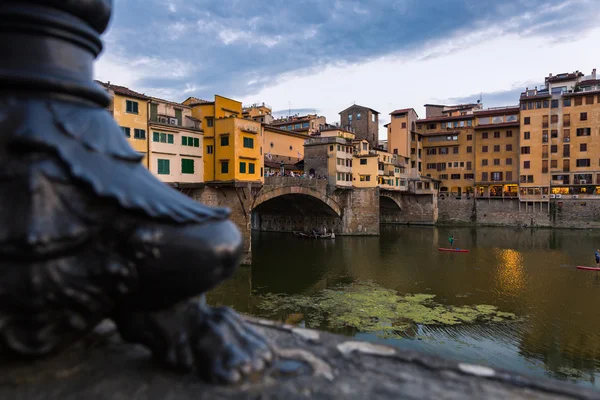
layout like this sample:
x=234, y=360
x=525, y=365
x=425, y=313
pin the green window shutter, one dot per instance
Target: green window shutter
x=135, y=107
x=224, y=167
x=168, y=166
x=179, y=117
x=184, y=140
x=251, y=168
x=187, y=166
x=154, y=112
x=242, y=167
x=128, y=106
x=196, y=142
x=171, y=138
x=163, y=138
x=156, y=137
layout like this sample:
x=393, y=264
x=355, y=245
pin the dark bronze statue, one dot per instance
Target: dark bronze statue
x=86, y=232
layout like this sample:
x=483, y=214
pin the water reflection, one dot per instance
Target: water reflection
x=527, y=272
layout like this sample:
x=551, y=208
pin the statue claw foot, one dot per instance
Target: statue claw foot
x=222, y=347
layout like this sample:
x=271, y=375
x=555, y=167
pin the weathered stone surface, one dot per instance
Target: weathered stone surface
x=310, y=366
x=406, y=208
x=497, y=212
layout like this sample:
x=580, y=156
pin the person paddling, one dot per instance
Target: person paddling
x=451, y=240
x=597, y=255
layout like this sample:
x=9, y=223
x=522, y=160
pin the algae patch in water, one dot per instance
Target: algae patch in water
x=368, y=307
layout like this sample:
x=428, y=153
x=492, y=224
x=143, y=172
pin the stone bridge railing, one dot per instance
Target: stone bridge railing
x=280, y=181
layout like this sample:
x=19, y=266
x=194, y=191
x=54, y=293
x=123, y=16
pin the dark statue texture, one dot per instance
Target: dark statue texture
x=86, y=232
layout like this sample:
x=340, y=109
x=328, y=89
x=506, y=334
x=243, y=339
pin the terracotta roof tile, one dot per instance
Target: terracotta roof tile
x=123, y=91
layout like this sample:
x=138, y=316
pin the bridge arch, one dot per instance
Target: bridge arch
x=389, y=200
x=264, y=197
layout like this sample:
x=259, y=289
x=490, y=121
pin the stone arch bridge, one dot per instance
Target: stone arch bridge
x=286, y=204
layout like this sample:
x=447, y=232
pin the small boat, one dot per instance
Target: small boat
x=312, y=236
x=454, y=250
x=588, y=268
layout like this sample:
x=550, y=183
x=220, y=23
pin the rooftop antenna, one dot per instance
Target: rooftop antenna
x=289, y=109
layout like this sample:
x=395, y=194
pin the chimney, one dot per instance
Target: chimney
x=594, y=73
x=550, y=76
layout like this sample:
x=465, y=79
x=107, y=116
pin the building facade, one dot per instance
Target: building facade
x=176, y=144
x=307, y=125
x=282, y=145
x=233, y=146
x=130, y=111
x=363, y=121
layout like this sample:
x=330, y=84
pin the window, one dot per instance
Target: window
x=431, y=126
x=538, y=104
x=455, y=176
x=305, y=125
x=497, y=176
x=497, y=148
x=469, y=165
x=349, y=117
x=251, y=168
x=525, y=150
x=526, y=135
x=546, y=103
x=162, y=137
x=469, y=149
x=403, y=125
x=509, y=161
x=554, y=133
x=553, y=163
x=567, y=103
x=187, y=166
x=496, y=161
x=455, y=150
x=496, y=135
x=224, y=140
x=469, y=176
x=554, y=103
x=242, y=167
x=190, y=141
x=589, y=100
x=363, y=161
x=373, y=117
x=358, y=117
x=566, y=150
x=566, y=135
x=583, y=116
x=544, y=166
x=566, y=165
x=526, y=164
x=210, y=122
x=469, y=122
x=484, y=149
x=509, y=176
x=554, y=148
x=583, y=162
x=209, y=149
x=509, y=134
x=126, y=131
x=484, y=135
x=484, y=176
x=578, y=101
x=431, y=152
x=298, y=126
x=469, y=137
x=527, y=121
x=248, y=143
x=224, y=167
x=545, y=121
x=131, y=107
x=583, y=147
x=584, y=131
x=484, y=163
x=554, y=119
x=509, y=147
x=164, y=167
x=567, y=120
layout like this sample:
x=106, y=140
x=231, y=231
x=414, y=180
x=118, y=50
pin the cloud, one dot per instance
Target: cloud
x=236, y=48
x=499, y=98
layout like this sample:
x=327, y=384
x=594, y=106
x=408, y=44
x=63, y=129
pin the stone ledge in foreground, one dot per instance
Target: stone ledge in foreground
x=334, y=367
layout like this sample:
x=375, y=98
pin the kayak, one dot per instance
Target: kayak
x=588, y=268
x=454, y=250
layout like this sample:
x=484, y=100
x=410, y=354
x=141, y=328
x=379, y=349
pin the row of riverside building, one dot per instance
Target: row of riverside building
x=547, y=146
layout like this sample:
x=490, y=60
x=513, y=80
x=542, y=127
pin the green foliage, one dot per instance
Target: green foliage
x=368, y=307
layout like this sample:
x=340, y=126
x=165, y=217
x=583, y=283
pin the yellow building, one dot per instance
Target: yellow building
x=364, y=165
x=258, y=113
x=330, y=157
x=281, y=145
x=130, y=110
x=560, y=123
x=233, y=152
x=391, y=171
x=176, y=144
x=497, y=152
x=448, y=151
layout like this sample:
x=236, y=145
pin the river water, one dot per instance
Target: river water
x=555, y=331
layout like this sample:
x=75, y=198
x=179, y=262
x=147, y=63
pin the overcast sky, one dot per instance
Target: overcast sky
x=325, y=55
